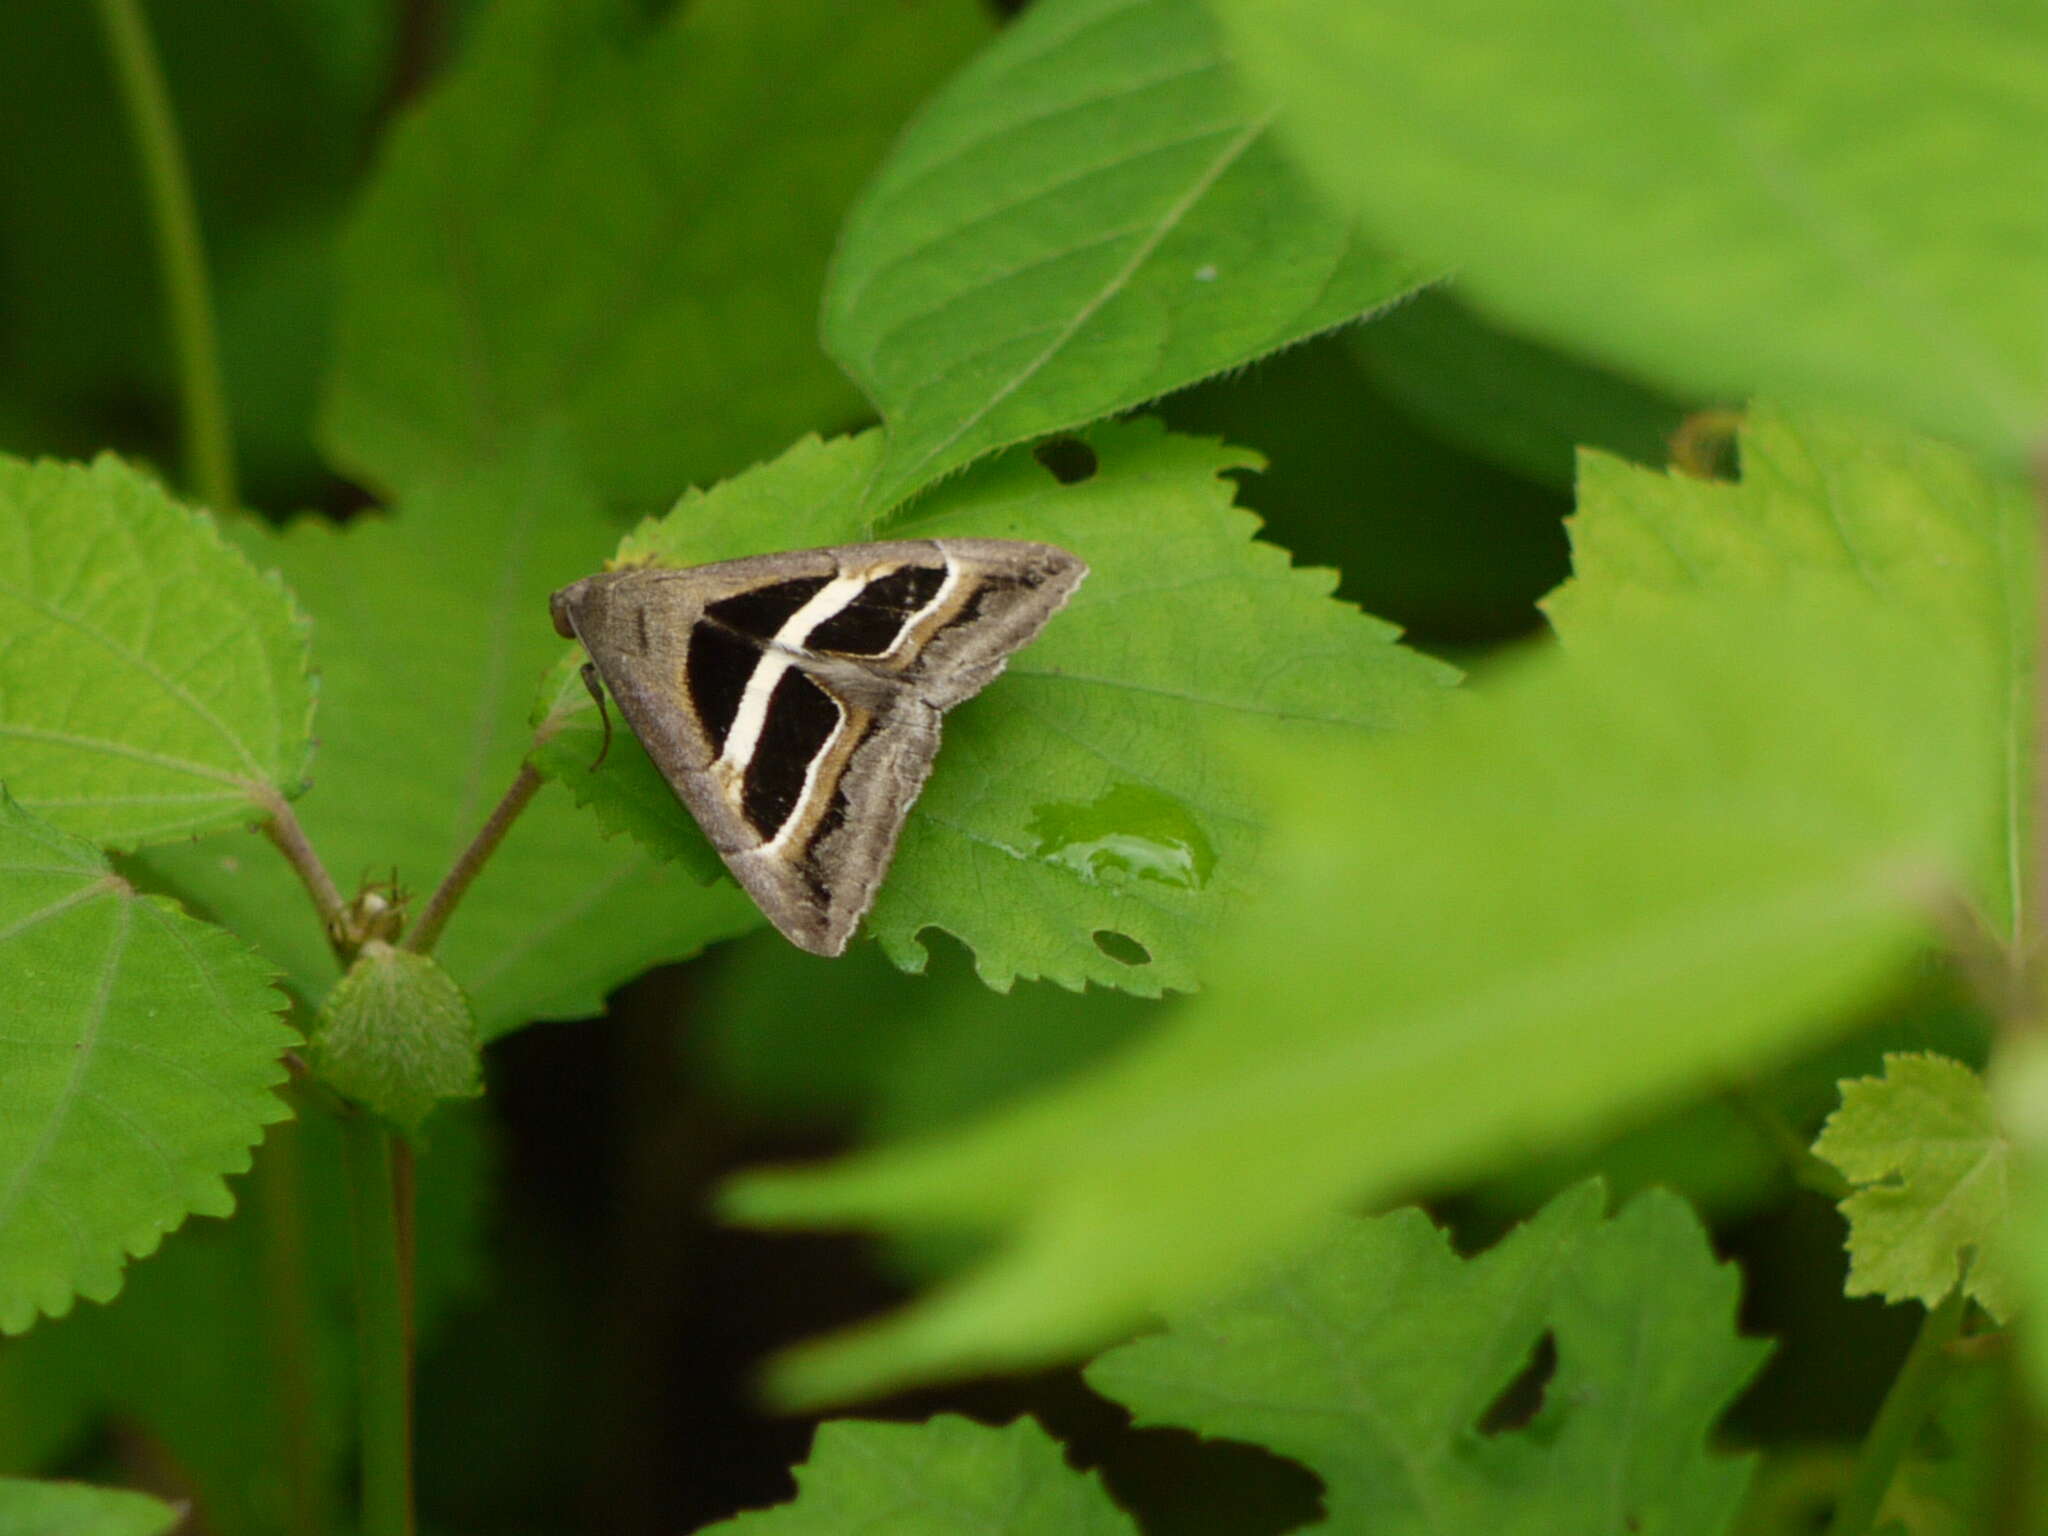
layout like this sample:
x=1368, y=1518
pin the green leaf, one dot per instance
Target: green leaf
x=396, y=1034
x=73, y=1509
x=1805, y=198
x=154, y=685
x=938, y=1478
x=1619, y=875
x=1827, y=499
x=1090, y=215
x=231, y=1351
x=140, y=1051
x=621, y=236
x=433, y=622
x=1374, y=1357
x=1933, y=1203
x=1080, y=797
x=1525, y=407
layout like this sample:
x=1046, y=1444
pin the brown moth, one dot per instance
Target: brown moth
x=792, y=701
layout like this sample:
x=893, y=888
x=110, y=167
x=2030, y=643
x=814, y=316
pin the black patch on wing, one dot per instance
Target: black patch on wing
x=801, y=718
x=719, y=665
x=869, y=624
x=764, y=610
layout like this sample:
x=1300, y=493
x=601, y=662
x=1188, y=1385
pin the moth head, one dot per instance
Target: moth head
x=559, y=609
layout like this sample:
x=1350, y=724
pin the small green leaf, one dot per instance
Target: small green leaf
x=73, y=1509
x=139, y=1051
x=1619, y=874
x=1933, y=1203
x=154, y=684
x=1374, y=1357
x=1792, y=197
x=434, y=622
x=944, y=1477
x=1525, y=407
x=1080, y=824
x=1826, y=499
x=396, y=1034
x=621, y=233
x=1090, y=215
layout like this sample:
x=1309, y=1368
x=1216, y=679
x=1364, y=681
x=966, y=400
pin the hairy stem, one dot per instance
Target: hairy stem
x=380, y=1226
x=181, y=254
x=427, y=931
x=1899, y=1417
x=282, y=827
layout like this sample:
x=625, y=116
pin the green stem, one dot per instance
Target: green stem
x=470, y=862
x=1808, y=1171
x=181, y=255
x=1904, y=1410
x=287, y=1311
x=383, y=1326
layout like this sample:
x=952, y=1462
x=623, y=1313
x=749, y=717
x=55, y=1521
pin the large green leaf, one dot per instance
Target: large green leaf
x=1826, y=498
x=432, y=624
x=140, y=1051
x=621, y=236
x=1090, y=215
x=940, y=1478
x=1081, y=797
x=153, y=684
x=1623, y=873
x=1802, y=197
x=1375, y=1357
x=74, y=1509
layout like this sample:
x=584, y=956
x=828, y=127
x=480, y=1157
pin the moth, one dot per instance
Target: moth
x=793, y=701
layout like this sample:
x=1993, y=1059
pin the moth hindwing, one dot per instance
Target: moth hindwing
x=793, y=701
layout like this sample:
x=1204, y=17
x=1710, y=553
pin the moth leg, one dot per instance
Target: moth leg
x=597, y=692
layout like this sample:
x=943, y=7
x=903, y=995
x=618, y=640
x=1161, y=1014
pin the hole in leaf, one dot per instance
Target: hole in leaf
x=1520, y=1399
x=1121, y=947
x=1067, y=459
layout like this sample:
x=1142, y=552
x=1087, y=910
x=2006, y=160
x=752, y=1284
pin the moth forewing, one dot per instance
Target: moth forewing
x=792, y=701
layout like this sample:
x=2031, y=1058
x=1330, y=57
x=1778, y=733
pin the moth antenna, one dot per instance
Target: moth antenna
x=597, y=692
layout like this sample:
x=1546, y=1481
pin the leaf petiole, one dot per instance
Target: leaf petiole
x=469, y=864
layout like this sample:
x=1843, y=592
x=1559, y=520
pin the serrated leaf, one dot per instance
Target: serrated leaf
x=1081, y=794
x=433, y=622
x=1523, y=406
x=621, y=234
x=74, y=1509
x=154, y=684
x=1619, y=875
x=1374, y=1357
x=1805, y=199
x=1090, y=215
x=396, y=1035
x=1827, y=499
x=251, y=1402
x=140, y=1051
x=1933, y=1203
x=939, y=1478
